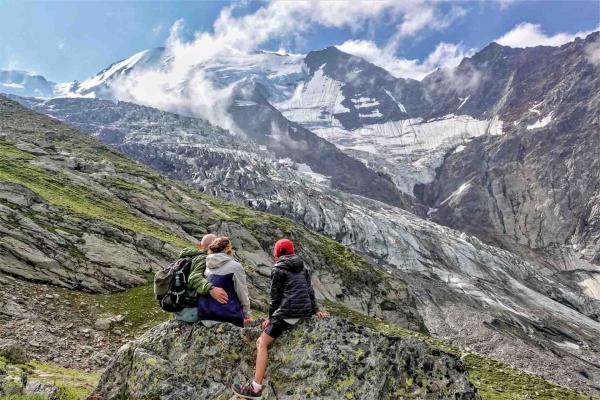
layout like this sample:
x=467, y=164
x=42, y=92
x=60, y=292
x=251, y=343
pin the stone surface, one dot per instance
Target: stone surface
x=12, y=351
x=12, y=380
x=329, y=358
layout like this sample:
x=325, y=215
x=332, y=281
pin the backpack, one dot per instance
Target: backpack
x=170, y=286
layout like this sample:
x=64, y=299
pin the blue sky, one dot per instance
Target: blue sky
x=74, y=40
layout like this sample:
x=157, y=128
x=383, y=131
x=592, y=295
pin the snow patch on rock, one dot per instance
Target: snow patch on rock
x=400, y=105
x=540, y=123
x=463, y=102
x=315, y=102
x=591, y=286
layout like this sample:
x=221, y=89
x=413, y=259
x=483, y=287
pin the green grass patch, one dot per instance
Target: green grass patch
x=493, y=379
x=58, y=190
x=8, y=151
x=137, y=305
x=126, y=185
x=72, y=384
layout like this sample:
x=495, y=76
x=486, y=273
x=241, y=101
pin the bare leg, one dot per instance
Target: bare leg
x=262, y=356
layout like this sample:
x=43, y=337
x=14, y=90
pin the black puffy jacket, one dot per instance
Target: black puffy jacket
x=292, y=295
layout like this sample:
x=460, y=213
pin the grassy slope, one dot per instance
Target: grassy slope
x=59, y=190
x=495, y=380
x=72, y=384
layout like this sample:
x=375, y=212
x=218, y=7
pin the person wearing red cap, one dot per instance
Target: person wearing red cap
x=292, y=299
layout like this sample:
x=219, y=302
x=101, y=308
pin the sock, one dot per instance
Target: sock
x=256, y=387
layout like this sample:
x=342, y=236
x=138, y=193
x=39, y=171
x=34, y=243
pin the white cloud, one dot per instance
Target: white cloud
x=157, y=30
x=417, y=17
x=420, y=17
x=504, y=4
x=445, y=55
x=530, y=35
x=592, y=52
x=11, y=60
x=234, y=35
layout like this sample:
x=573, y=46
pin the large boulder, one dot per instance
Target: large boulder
x=325, y=359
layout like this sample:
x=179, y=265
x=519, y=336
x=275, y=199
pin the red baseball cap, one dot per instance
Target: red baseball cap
x=283, y=247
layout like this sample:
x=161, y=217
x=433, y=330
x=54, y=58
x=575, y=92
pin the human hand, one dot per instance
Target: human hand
x=322, y=314
x=265, y=323
x=219, y=295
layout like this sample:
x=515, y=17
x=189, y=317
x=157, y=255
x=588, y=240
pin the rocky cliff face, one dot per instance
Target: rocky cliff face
x=535, y=189
x=267, y=126
x=325, y=359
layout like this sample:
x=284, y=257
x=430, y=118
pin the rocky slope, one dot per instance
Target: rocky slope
x=325, y=359
x=471, y=293
x=77, y=215
x=70, y=192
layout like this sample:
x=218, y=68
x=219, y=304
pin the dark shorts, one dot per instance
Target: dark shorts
x=276, y=327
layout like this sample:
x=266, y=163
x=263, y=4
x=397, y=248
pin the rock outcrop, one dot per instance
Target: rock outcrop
x=326, y=359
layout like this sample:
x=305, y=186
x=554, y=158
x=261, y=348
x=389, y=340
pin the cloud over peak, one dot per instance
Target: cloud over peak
x=527, y=34
x=445, y=55
x=285, y=22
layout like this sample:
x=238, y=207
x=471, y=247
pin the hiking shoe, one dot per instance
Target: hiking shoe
x=247, y=392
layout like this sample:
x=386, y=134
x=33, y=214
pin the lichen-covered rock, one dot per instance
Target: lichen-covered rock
x=42, y=390
x=12, y=379
x=324, y=359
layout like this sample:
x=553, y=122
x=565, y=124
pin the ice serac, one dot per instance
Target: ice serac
x=472, y=293
x=319, y=359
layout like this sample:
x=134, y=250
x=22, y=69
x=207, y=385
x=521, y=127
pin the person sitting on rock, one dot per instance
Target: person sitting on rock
x=292, y=299
x=224, y=272
x=197, y=283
